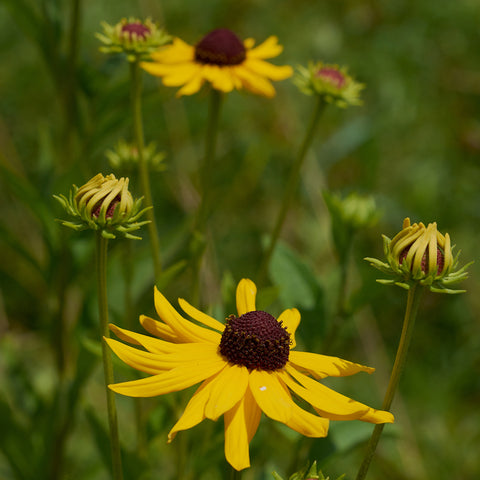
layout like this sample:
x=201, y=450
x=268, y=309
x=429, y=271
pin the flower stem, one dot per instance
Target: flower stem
x=101, y=246
x=413, y=301
x=235, y=474
x=136, y=85
x=292, y=184
x=206, y=171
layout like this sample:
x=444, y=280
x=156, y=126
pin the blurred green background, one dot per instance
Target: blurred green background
x=414, y=145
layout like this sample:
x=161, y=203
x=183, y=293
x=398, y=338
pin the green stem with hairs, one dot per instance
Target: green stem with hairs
x=206, y=171
x=292, y=184
x=413, y=301
x=101, y=250
x=136, y=85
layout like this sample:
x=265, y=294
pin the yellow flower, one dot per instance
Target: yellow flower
x=221, y=59
x=247, y=366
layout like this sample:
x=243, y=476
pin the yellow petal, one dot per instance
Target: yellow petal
x=321, y=366
x=227, y=390
x=268, y=49
x=291, y=320
x=219, y=77
x=158, y=69
x=200, y=316
x=307, y=423
x=266, y=69
x=194, y=411
x=181, y=74
x=270, y=395
x=241, y=423
x=254, y=83
x=171, y=381
x=246, y=293
x=159, y=329
x=177, y=52
x=185, y=330
x=153, y=345
x=328, y=403
x=191, y=87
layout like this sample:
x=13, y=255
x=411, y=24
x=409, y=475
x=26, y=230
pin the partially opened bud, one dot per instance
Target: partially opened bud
x=421, y=254
x=105, y=204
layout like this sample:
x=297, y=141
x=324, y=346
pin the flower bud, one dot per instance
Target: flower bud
x=329, y=81
x=104, y=204
x=132, y=36
x=124, y=157
x=421, y=254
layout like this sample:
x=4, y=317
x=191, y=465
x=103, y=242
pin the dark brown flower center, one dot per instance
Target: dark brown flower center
x=255, y=340
x=332, y=76
x=425, y=259
x=110, y=209
x=136, y=28
x=220, y=47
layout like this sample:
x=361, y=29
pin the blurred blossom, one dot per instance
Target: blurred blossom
x=331, y=82
x=221, y=59
x=124, y=157
x=421, y=254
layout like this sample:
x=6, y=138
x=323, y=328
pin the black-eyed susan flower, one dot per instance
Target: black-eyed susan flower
x=246, y=366
x=104, y=204
x=134, y=37
x=421, y=254
x=331, y=82
x=221, y=59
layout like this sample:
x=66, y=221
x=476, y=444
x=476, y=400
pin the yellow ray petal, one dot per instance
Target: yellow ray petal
x=321, y=366
x=181, y=74
x=266, y=69
x=191, y=87
x=254, y=83
x=194, y=412
x=200, y=316
x=159, y=329
x=170, y=381
x=227, y=390
x=271, y=396
x=268, y=49
x=153, y=345
x=241, y=423
x=158, y=69
x=291, y=320
x=307, y=423
x=328, y=403
x=177, y=52
x=185, y=330
x=219, y=77
x=246, y=293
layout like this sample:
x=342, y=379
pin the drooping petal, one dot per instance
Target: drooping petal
x=185, y=330
x=200, y=316
x=180, y=74
x=193, y=86
x=321, y=366
x=270, y=395
x=194, y=412
x=171, y=381
x=307, y=423
x=227, y=390
x=268, y=49
x=253, y=82
x=159, y=329
x=246, y=294
x=153, y=345
x=219, y=77
x=329, y=403
x=266, y=69
x=291, y=320
x=241, y=423
x=177, y=52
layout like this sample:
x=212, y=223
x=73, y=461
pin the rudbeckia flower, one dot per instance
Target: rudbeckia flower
x=247, y=366
x=221, y=59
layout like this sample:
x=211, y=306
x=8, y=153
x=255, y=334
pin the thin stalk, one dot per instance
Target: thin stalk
x=235, y=474
x=413, y=301
x=102, y=245
x=292, y=184
x=136, y=85
x=206, y=171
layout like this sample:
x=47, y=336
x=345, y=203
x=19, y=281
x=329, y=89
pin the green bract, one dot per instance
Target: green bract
x=330, y=81
x=133, y=37
x=124, y=157
x=419, y=254
x=104, y=204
